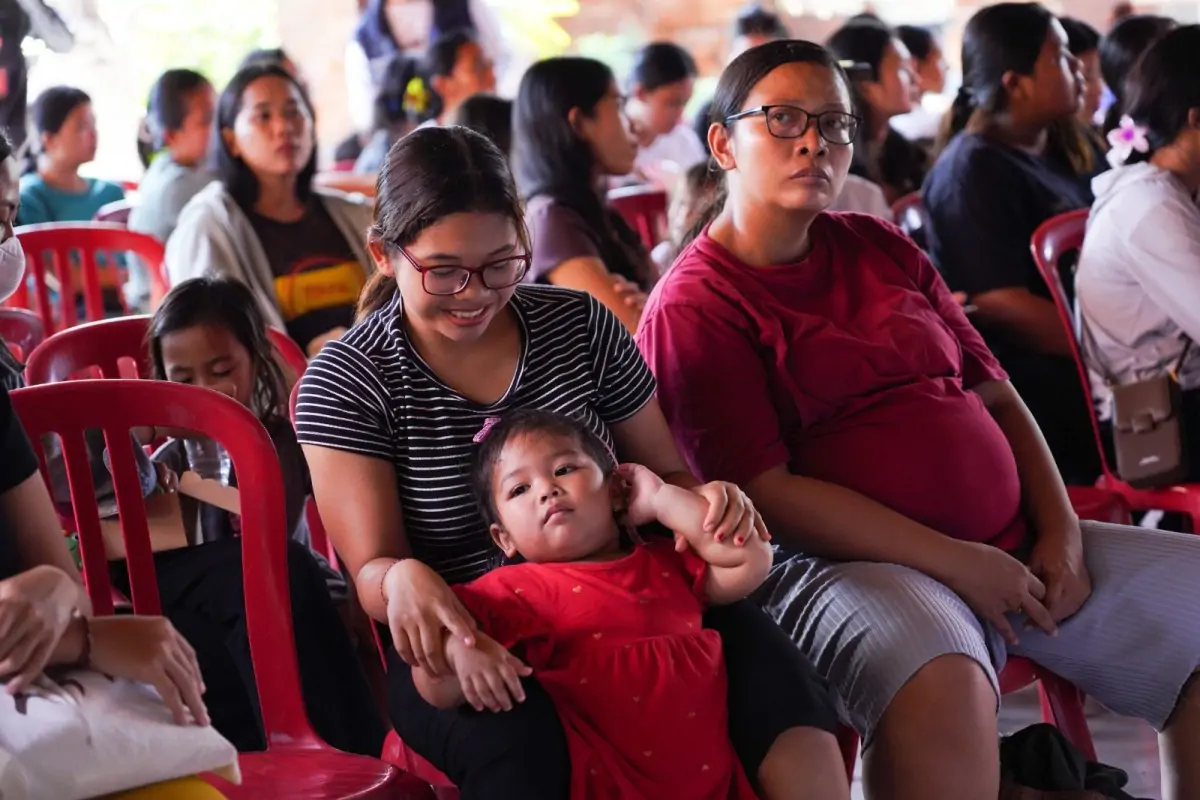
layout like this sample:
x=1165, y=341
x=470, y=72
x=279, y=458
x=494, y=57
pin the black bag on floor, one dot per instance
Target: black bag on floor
x=1038, y=763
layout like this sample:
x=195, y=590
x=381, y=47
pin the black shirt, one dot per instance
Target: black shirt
x=984, y=201
x=317, y=275
x=17, y=464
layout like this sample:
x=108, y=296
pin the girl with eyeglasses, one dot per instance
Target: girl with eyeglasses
x=819, y=361
x=447, y=338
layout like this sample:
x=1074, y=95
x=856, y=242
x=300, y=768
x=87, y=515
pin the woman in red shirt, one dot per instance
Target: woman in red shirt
x=817, y=360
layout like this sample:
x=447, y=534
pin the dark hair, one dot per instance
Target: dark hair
x=1120, y=49
x=238, y=178
x=529, y=422
x=490, y=115
x=660, y=64
x=754, y=20
x=1164, y=88
x=920, y=42
x=53, y=106
x=551, y=159
x=702, y=122
x=6, y=145
x=1006, y=37
x=736, y=83
x=167, y=106
x=231, y=305
x=700, y=179
x=863, y=43
x=430, y=174
x=1081, y=37
x=266, y=56
x=443, y=52
x=390, y=109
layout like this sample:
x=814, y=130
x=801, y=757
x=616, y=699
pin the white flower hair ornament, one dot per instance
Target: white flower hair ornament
x=1124, y=140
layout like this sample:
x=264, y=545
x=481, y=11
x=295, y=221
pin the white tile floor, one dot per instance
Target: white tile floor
x=1121, y=742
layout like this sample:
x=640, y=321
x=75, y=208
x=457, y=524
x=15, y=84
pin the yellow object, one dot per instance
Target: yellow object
x=181, y=789
x=326, y=287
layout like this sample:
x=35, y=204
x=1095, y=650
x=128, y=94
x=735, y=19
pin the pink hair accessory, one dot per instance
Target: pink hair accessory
x=488, y=424
x=1125, y=139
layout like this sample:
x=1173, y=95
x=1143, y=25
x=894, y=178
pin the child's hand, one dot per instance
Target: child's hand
x=168, y=481
x=641, y=488
x=489, y=675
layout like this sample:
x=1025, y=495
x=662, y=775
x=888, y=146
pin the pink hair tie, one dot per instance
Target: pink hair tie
x=488, y=424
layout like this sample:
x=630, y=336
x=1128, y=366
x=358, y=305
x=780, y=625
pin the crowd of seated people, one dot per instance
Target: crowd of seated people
x=630, y=519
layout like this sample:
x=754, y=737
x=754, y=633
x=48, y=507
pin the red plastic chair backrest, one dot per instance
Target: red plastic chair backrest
x=116, y=212
x=22, y=330
x=117, y=406
x=289, y=352
x=644, y=208
x=108, y=345
x=1055, y=238
x=59, y=240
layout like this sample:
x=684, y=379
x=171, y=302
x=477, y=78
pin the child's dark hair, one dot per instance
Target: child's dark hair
x=54, y=105
x=1081, y=37
x=167, y=106
x=754, y=20
x=1164, y=89
x=428, y=175
x=490, y=115
x=231, y=305
x=529, y=422
x=921, y=42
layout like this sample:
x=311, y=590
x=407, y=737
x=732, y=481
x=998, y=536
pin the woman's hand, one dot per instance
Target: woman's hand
x=419, y=607
x=36, y=607
x=730, y=513
x=150, y=650
x=993, y=584
x=1057, y=559
x=640, y=487
x=630, y=293
x=489, y=675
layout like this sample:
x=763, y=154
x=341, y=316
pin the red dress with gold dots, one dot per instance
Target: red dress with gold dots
x=638, y=682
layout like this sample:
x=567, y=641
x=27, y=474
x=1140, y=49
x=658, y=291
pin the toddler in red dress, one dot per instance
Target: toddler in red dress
x=610, y=627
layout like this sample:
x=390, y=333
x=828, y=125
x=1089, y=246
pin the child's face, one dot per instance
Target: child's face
x=553, y=500
x=212, y=357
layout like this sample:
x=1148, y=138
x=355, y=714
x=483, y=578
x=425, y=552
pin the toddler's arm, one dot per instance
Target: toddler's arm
x=734, y=570
x=485, y=676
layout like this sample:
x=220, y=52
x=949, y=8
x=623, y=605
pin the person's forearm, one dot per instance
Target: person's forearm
x=680, y=509
x=1025, y=318
x=732, y=583
x=1043, y=495
x=73, y=644
x=369, y=586
x=830, y=521
x=438, y=692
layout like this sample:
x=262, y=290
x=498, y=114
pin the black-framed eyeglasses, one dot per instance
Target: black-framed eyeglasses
x=445, y=281
x=792, y=122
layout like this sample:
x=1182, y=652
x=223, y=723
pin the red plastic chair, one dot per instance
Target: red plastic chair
x=1054, y=239
x=289, y=351
x=113, y=348
x=21, y=330
x=116, y=212
x=60, y=239
x=644, y=208
x=297, y=762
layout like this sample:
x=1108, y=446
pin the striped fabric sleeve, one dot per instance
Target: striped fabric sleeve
x=343, y=404
x=625, y=382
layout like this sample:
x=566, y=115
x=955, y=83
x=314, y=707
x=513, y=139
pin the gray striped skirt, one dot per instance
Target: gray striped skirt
x=869, y=627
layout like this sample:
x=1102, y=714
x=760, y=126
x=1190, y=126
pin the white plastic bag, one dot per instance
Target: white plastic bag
x=86, y=734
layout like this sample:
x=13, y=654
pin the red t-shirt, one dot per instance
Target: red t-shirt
x=852, y=366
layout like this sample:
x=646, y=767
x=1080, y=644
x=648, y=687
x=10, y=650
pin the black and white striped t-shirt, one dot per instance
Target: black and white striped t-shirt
x=371, y=393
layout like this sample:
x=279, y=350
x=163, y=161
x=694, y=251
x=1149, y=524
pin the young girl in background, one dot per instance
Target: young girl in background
x=209, y=333
x=693, y=195
x=598, y=617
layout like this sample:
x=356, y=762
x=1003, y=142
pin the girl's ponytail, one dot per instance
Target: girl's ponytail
x=378, y=292
x=957, y=118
